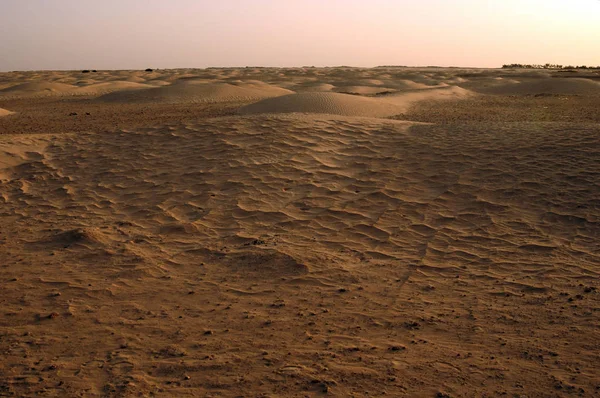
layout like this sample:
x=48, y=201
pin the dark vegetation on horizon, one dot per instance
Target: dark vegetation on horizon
x=546, y=66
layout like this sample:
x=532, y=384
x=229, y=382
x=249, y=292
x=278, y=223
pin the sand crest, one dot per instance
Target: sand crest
x=351, y=105
x=363, y=90
x=38, y=89
x=329, y=103
x=408, y=98
x=108, y=87
x=198, y=91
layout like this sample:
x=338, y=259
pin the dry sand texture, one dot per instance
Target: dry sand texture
x=4, y=112
x=257, y=232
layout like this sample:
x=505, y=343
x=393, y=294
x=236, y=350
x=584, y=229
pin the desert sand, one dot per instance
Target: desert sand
x=293, y=232
x=4, y=112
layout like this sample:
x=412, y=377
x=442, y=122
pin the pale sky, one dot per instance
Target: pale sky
x=134, y=34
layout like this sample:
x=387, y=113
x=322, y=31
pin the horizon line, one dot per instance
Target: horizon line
x=304, y=67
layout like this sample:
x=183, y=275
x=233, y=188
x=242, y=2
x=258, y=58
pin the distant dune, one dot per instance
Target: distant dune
x=82, y=87
x=434, y=93
x=38, y=88
x=404, y=84
x=330, y=103
x=363, y=90
x=351, y=105
x=107, y=87
x=547, y=86
x=198, y=91
x=316, y=87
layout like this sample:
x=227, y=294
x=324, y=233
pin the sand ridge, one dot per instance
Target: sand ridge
x=364, y=81
x=321, y=102
x=362, y=90
x=198, y=91
x=386, y=105
x=80, y=88
x=107, y=87
x=38, y=88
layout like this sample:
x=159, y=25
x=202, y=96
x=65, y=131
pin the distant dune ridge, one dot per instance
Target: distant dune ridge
x=362, y=90
x=198, y=91
x=107, y=87
x=547, y=86
x=313, y=86
x=38, y=88
x=351, y=105
x=408, y=98
x=232, y=85
x=320, y=102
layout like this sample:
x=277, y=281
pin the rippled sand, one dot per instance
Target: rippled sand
x=438, y=238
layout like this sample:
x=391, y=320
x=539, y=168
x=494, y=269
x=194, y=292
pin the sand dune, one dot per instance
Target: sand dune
x=137, y=79
x=363, y=90
x=312, y=86
x=157, y=82
x=444, y=93
x=548, y=86
x=81, y=87
x=404, y=84
x=107, y=87
x=38, y=88
x=351, y=105
x=198, y=91
x=330, y=103
x=178, y=241
x=372, y=82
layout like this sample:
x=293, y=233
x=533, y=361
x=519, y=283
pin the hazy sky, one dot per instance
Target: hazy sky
x=131, y=34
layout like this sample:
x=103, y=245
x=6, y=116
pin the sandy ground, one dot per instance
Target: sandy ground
x=265, y=232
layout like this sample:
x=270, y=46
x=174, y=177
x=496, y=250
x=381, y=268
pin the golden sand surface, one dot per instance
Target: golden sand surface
x=272, y=232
